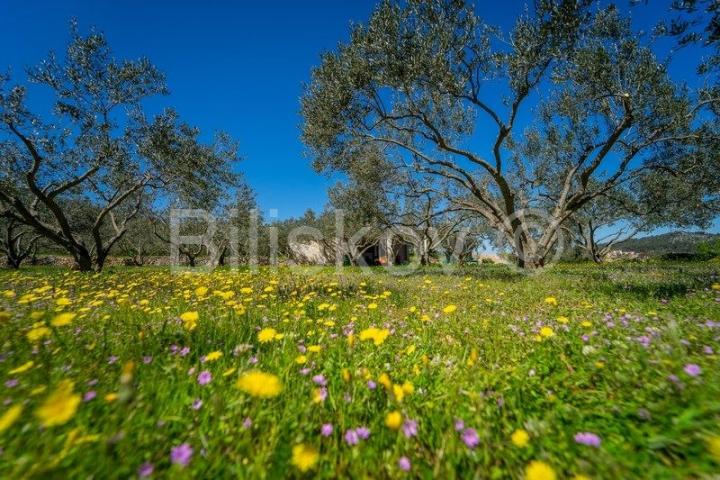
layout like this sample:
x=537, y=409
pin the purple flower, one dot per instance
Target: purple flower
x=204, y=377
x=184, y=351
x=181, y=454
x=145, y=470
x=470, y=437
x=319, y=380
x=410, y=428
x=351, y=437
x=11, y=383
x=89, y=395
x=147, y=359
x=459, y=425
x=112, y=359
x=404, y=464
x=371, y=385
x=322, y=394
x=587, y=438
x=363, y=432
x=692, y=369
x=197, y=404
x=247, y=423
x=253, y=360
x=304, y=371
x=707, y=350
x=326, y=430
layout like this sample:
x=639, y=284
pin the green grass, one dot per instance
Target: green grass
x=484, y=364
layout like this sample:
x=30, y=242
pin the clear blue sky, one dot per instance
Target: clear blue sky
x=234, y=66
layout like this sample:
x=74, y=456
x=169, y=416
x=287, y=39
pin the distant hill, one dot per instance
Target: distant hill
x=674, y=242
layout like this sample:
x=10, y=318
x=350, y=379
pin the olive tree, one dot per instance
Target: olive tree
x=94, y=144
x=429, y=79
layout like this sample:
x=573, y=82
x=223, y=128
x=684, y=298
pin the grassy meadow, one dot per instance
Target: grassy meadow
x=581, y=371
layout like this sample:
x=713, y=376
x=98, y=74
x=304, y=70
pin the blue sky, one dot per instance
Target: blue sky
x=232, y=66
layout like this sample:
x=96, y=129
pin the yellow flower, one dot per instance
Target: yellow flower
x=586, y=323
x=62, y=319
x=537, y=470
x=304, y=457
x=38, y=333
x=190, y=320
x=301, y=359
x=4, y=316
x=346, y=375
x=408, y=388
x=9, y=417
x=716, y=286
x=547, y=332
x=384, y=380
x=201, y=291
x=260, y=384
x=111, y=397
x=63, y=302
x=22, y=368
x=393, y=420
x=713, y=444
x=60, y=406
x=377, y=335
x=563, y=319
x=212, y=356
x=372, y=306
x=450, y=309
x=520, y=438
x=267, y=335
x=398, y=392
x=314, y=348
x=551, y=300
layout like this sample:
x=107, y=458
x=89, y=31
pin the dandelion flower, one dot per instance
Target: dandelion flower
x=551, y=300
x=62, y=319
x=22, y=368
x=449, y=309
x=267, y=335
x=547, y=332
x=377, y=335
x=393, y=420
x=713, y=444
x=260, y=384
x=212, y=356
x=520, y=438
x=190, y=320
x=60, y=406
x=304, y=457
x=38, y=333
x=10, y=417
x=537, y=470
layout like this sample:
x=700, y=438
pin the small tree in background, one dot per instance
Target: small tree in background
x=94, y=146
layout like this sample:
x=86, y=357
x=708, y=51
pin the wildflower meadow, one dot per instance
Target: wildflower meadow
x=577, y=372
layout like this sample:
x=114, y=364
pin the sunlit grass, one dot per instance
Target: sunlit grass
x=298, y=373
